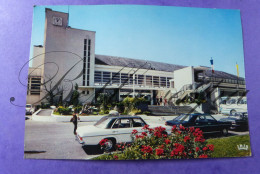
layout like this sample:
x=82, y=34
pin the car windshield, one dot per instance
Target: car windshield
x=231, y=101
x=103, y=122
x=28, y=106
x=241, y=101
x=183, y=117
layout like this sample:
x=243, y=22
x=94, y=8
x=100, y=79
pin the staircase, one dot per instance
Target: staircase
x=187, y=90
x=169, y=110
x=203, y=87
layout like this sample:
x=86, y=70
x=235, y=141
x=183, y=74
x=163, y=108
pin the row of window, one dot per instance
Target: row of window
x=86, y=62
x=113, y=78
x=34, y=86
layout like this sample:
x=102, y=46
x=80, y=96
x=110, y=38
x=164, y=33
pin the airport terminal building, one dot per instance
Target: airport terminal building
x=68, y=57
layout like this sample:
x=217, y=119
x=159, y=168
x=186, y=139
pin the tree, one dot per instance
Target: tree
x=74, y=99
x=52, y=91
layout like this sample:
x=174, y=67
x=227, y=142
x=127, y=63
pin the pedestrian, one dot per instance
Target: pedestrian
x=161, y=101
x=74, y=120
x=157, y=100
x=165, y=101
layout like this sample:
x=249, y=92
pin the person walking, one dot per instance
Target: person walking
x=157, y=100
x=161, y=101
x=74, y=120
x=165, y=101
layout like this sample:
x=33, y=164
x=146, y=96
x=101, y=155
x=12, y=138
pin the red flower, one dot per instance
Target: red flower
x=147, y=149
x=182, y=127
x=174, y=128
x=197, y=149
x=159, y=151
x=164, y=135
x=179, y=132
x=167, y=141
x=150, y=130
x=161, y=146
x=210, y=147
x=197, y=129
x=203, y=156
x=116, y=157
x=179, y=149
x=159, y=129
x=144, y=133
x=139, y=136
x=205, y=148
x=199, y=139
x=102, y=142
x=146, y=126
x=158, y=134
x=192, y=129
x=134, y=131
x=186, y=138
x=198, y=133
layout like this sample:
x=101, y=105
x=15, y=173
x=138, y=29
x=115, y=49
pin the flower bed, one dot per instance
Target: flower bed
x=183, y=143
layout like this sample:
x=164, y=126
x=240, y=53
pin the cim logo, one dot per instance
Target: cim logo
x=242, y=147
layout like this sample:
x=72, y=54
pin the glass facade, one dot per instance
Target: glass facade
x=117, y=79
x=86, y=61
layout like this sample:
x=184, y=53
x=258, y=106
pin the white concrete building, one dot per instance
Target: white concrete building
x=68, y=57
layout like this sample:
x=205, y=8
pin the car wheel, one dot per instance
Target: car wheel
x=232, y=112
x=110, y=145
x=225, y=131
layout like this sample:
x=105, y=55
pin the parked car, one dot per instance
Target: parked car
x=116, y=129
x=205, y=122
x=29, y=109
x=231, y=105
x=238, y=120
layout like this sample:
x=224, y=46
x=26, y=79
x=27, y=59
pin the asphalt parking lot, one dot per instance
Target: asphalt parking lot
x=44, y=140
x=55, y=140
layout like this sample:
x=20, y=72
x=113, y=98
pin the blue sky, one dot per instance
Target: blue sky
x=177, y=35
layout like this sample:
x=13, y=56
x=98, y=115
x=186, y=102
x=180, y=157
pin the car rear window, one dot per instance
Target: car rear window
x=183, y=117
x=102, y=123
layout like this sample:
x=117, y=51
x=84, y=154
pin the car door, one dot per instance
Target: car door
x=122, y=130
x=213, y=125
x=138, y=124
x=201, y=122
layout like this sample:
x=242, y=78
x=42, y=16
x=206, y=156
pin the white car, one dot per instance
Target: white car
x=29, y=109
x=232, y=105
x=116, y=129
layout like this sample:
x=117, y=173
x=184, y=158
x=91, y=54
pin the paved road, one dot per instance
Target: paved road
x=52, y=141
x=45, y=112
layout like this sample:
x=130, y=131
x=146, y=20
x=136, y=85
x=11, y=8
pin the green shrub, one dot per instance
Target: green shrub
x=64, y=111
x=183, y=143
x=131, y=104
x=45, y=105
x=102, y=112
x=77, y=109
x=146, y=112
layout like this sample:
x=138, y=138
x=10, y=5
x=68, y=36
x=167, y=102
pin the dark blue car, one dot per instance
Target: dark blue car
x=238, y=120
x=205, y=122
